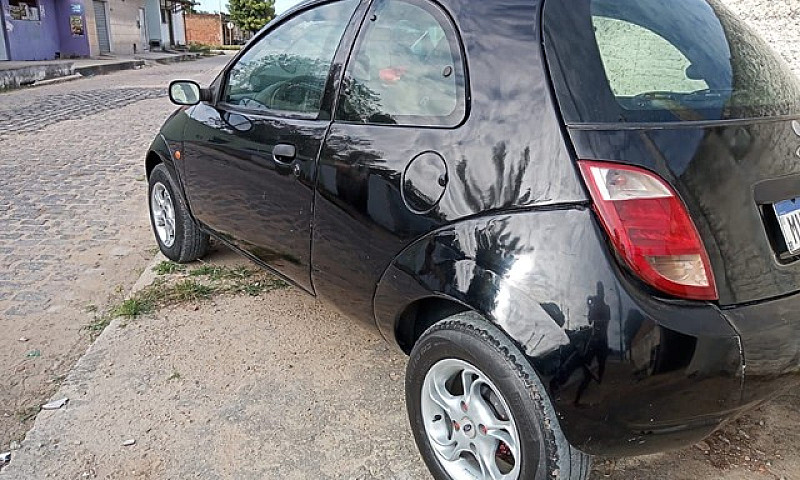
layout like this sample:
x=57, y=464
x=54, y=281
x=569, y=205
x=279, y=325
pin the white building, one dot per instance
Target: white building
x=165, y=25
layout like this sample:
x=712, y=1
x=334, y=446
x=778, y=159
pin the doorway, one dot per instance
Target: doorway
x=144, y=37
x=101, y=23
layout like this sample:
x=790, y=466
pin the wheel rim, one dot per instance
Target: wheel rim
x=163, y=212
x=468, y=423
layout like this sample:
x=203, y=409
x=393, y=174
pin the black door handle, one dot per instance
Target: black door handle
x=284, y=154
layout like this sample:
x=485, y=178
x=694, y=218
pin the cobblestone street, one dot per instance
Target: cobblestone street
x=74, y=234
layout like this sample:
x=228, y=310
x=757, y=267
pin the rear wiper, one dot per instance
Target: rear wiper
x=709, y=94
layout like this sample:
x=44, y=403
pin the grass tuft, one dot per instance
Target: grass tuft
x=188, y=290
x=211, y=271
x=167, y=268
x=132, y=308
x=196, y=285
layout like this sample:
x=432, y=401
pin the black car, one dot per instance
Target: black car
x=581, y=219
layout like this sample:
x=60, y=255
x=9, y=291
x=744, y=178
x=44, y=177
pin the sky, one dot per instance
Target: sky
x=213, y=6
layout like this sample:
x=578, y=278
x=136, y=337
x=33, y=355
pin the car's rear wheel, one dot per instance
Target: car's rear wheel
x=479, y=411
x=178, y=236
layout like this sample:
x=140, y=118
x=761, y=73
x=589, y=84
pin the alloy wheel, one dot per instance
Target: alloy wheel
x=468, y=423
x=163, y=212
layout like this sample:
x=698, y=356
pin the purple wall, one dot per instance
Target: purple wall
x=40, y=40
x=72, y=45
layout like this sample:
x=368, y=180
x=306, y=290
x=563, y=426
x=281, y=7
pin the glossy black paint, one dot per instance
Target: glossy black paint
x=239, y=190
x=509, y=153
x=667, y=372
x=509, y=234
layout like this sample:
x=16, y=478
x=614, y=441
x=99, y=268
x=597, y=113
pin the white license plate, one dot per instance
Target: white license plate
x=788, y=213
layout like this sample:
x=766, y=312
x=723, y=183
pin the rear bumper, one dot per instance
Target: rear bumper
x=697, y=377
x=675, y=384
x=770, y=336
x=674, y=373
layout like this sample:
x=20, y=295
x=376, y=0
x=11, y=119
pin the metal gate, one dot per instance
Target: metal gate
x=101, y=24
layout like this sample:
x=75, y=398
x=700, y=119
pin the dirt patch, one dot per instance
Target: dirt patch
x=764, y=444
x=274, y=385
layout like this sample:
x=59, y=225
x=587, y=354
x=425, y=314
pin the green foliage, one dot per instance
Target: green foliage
x=195, y=47
x=133, y=307
x=178, y=285
x=167, y=267
x=251, y=15
x=211, y=271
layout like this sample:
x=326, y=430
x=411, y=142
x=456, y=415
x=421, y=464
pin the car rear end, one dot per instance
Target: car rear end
x=686, y=128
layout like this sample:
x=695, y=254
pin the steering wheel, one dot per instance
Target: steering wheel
x=281, y=91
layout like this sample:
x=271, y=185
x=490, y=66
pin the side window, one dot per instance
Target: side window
x=638, y=60
x=287, y=69
x=406, y=68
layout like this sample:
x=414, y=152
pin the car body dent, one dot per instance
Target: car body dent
x=545, y=277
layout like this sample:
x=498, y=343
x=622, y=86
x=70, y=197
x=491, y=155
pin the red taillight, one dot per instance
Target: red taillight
x=651, y=229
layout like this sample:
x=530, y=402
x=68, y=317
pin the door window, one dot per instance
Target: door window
x=287, y=69
x=406, y=68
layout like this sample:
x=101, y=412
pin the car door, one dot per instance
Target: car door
x=250, y=164
x=391, y=150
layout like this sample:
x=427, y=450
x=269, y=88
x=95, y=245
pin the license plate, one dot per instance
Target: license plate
x=788, y=213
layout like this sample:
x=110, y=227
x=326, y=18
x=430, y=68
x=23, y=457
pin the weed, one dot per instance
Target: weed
x=98, y=325
x=27, y=413
x=171, y=290
x=241, y=273
x=211, y=271
x=188, y=290
x=133, y=307
x=176, y=375
x=167, y=268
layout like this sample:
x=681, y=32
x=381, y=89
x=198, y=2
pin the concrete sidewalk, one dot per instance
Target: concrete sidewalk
x=22, y=74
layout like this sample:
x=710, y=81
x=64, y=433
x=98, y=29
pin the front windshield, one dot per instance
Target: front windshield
x=647, y=61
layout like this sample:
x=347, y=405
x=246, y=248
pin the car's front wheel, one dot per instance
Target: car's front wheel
x=178, y=236
x=479, y=411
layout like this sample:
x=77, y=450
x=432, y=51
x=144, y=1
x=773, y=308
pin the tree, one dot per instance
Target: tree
x=251, y=15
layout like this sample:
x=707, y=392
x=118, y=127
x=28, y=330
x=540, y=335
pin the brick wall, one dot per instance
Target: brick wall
x=203, y=28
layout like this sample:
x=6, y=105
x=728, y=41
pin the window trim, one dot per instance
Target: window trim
x=464, y=101
x=222, y=79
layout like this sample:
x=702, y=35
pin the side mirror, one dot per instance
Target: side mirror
x=188, y=92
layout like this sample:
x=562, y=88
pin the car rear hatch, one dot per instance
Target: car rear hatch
x=689, y=92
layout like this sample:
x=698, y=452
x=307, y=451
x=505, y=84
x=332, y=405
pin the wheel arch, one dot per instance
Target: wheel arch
x=152, y=161
x=161, y=152
x=421, y=314
x=520, y=271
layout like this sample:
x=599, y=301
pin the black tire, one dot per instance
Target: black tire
x=545, y=452
x=190, y=243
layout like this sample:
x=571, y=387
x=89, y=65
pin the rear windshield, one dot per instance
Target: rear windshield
x=655, y=61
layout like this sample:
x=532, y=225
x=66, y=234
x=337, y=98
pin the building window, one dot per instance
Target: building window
x=24, y=10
